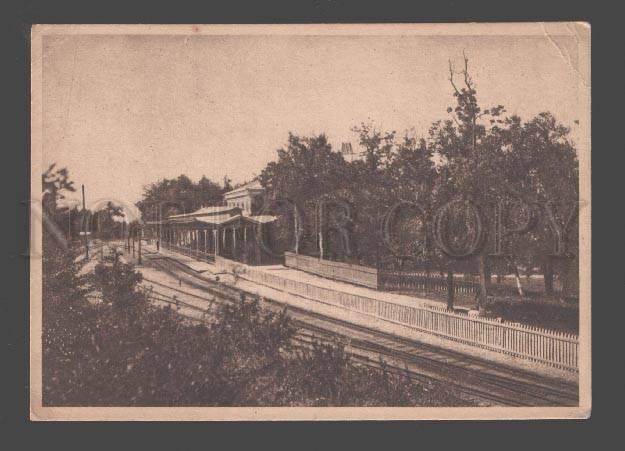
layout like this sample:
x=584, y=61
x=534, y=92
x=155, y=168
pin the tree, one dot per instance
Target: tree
x=227, y=184
x=108, y=220
x=411, y=170
x=469, y=161
x=541, y=169
x=378, y=146
x=59, y=263
x=478, y=157
x=56, y=208
x=55, y=184
x=180, y=195
x=491, y=159
x=306, y=171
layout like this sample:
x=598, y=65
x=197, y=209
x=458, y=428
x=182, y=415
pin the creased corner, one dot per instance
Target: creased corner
x=579, y=31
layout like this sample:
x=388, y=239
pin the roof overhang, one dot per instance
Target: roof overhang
x=216, y=221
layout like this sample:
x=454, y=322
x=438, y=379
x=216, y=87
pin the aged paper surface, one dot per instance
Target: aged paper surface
x=124, y=107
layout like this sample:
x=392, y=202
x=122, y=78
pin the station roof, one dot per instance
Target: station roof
x=208, y=211
x=262, y=219
x=216, y=220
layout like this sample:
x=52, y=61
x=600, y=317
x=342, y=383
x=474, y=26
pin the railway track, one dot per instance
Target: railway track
x=471, y=377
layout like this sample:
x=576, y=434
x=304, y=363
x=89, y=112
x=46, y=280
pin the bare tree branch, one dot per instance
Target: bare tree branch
x=467, y=78
x=451, y=78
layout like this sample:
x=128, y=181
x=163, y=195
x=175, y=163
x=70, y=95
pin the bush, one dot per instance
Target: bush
x=60, y=279
x=536, y=313
x=327, y=376
x=117, y=281
x=127, y=352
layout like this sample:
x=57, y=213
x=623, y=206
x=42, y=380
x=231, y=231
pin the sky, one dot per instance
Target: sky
x=123, y=111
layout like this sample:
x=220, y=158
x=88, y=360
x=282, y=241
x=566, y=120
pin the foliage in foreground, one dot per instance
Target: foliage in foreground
x=131, y=353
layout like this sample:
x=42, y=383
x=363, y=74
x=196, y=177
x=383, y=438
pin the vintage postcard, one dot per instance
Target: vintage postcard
x=310, y=222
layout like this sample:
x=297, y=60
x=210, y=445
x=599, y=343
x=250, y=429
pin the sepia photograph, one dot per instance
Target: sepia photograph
x=310, y=222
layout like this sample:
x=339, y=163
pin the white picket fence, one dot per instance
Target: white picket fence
x=536, y=344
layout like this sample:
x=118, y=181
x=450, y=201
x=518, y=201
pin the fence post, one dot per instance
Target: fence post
x=450, y=289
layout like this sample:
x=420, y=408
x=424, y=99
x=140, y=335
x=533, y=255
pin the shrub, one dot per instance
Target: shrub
x=126, y=352
x=60, y=279
x=117, y=281
x=550, y=315
x=324, y=370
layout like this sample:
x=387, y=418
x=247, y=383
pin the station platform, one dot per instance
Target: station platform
x=295, y=275
x=223, y=265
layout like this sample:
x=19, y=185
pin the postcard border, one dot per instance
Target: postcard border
x=41, y=413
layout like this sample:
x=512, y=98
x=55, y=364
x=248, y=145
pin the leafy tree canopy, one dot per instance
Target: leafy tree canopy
x=179, y=195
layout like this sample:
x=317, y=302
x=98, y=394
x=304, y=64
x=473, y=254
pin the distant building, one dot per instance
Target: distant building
x=247, y=197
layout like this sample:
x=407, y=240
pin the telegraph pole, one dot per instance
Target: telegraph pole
x=140, y=237
x=320, y=223
x=84, y=214
x=158, y=228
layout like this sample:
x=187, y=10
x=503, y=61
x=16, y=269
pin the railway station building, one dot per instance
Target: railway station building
x=235, y=231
